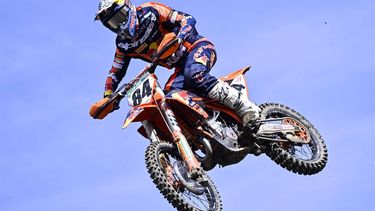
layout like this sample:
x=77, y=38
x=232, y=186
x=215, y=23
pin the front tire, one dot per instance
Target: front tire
x=160, y=157
x=306, y=159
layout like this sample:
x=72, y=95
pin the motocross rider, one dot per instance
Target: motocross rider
x=140, y=33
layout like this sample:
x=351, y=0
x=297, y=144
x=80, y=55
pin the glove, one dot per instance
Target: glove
x=102, y=108
x=108, y=93
x=167, y=40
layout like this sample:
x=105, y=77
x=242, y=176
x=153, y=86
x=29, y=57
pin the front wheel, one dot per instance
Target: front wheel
x=160, y=160
x=301, y=158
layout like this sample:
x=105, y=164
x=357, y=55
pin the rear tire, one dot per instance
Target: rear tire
x=291, y=156
x=160, y=157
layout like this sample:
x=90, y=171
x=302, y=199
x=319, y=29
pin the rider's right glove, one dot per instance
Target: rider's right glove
x=167, y=43
x=108, y=93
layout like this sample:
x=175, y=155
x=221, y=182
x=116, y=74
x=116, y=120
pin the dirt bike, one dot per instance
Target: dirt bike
x=189, y=135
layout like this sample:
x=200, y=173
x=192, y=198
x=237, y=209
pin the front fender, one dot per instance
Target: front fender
x=152, y=114
x=137, y=114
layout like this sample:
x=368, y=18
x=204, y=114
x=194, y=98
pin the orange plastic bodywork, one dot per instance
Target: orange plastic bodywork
x=187, y=105
x=183, y=98
x=222, y=108
x=233, y=75
x=139, y=113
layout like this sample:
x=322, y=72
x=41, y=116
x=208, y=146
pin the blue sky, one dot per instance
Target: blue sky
x=315, y=56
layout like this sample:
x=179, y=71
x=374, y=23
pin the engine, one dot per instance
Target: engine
x=224, y=134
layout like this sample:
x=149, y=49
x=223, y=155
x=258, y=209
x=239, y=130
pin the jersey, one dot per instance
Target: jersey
x=155, y=20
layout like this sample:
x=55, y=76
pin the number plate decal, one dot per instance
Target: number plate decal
x=141, y=92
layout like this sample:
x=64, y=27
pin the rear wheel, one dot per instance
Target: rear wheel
x=308, y=157
x=160, y=158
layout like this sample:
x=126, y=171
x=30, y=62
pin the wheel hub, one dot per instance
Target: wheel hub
x=302, y=134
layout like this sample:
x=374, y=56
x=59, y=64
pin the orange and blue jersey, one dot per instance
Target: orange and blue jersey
x=156, y=20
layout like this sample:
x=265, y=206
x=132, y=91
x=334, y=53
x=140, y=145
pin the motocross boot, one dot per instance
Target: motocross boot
x=222, y=92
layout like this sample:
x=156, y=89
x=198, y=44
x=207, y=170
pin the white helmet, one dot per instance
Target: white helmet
x=119, y=16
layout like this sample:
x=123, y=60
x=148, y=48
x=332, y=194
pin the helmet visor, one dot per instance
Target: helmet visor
x=118, y=17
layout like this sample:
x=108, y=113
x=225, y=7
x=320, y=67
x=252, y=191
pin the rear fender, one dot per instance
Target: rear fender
x=237, y=80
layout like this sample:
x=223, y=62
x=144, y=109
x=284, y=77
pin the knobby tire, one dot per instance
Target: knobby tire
x=159, y=176
x=284, y=157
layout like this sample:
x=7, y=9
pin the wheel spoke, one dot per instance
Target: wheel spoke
x=194, y=198
x=304, y=152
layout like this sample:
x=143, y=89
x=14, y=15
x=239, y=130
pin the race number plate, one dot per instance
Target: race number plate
x=141, y=92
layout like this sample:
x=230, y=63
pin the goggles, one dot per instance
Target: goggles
x=114, y=19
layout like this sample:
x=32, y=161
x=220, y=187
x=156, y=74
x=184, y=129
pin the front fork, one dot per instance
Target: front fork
x=183, y=146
